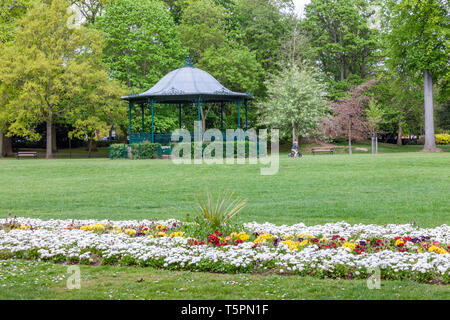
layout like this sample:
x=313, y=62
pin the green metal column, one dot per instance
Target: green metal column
x=221, y=116
x=130, y=106
x=153, y=122
x=239, y=118
x=199, y=105
x=239, y=113
x=246, y=115
x=142, y=115
x=179, y=115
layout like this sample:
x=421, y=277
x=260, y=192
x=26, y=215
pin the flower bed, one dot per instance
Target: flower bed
x=337, y=250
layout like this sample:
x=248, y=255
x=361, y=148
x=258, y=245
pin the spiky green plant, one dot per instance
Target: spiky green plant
x=218, y=211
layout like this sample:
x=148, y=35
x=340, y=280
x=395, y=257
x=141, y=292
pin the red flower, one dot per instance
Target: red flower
x=314, y=240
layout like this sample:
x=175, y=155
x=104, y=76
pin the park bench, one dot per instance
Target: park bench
x=26, y=154
x=322, y=149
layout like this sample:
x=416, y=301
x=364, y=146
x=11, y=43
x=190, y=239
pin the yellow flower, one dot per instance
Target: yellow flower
x=304, y=243
x=176, y=234
x=437, y=250
x=288, y=236
x=160, y=227
x=162, y=234
x=240, y=236
x=293, y=245
x=130, y=232
x=350, y=245
x=399, y=242
x=264, y=237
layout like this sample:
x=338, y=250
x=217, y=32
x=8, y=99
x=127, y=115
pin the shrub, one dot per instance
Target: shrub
x=118, y=151
x=218, y=212
x=247, y=146
x=442, y=138
x=146, y=150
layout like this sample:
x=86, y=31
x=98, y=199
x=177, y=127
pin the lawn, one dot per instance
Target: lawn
x=386, y=188
x=21, y=279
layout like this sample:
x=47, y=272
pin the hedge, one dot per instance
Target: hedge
x=146, y=150
x=118, y=151
x=246, y=144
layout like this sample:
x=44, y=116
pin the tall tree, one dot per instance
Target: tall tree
x=141, y=42
x=202, y=26
x=49, y=70
x=417, y=43
x=295, y=102
x=10, y=12
x=342, y=42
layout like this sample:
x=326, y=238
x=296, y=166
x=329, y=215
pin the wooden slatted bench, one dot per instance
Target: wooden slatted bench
x=322, y=149
x=26, y=154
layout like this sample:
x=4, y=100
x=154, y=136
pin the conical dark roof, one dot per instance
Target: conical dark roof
x=186, y=85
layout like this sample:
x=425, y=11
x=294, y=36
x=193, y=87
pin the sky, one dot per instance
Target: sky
x=300, y=5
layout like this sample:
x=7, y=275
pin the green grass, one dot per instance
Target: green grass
x=40, y=280
x=395, y=187
x=387, y=188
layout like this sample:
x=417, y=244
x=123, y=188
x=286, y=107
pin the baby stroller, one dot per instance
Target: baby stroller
x=295, y=153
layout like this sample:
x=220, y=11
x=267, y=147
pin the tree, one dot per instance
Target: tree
x=416, y=34
x=342, y=42
x=141, y=42
x=401, y=100
x=261, y=26
x=10, y=12
x=49, y=70
x=295, y=102
x=90, y=9
x=374, y=114
x=349, y=119
x=202, y=27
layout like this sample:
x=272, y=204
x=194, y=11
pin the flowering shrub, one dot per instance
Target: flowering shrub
x=442, y=138
x=331, y=250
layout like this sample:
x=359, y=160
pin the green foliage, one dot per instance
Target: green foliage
x=416, y=36
x=261, y=26
x=46, y=62
x=141, y=42
x=202, y=26
x=145, y=150
x=213, y=214
x=10, y=12
x=342, y=42
x=374, y=115
x=401, y=102
x=236, y=67
x=237, y=145
x=118, y=151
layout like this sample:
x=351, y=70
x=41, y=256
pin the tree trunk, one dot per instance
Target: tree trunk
x=430, y=142
x=349, y=136
x=54, y=146
x=2, y=153
x=49, y=146
x=294, y=135
x=400, y=134
x=7, y=146
x=90, y=147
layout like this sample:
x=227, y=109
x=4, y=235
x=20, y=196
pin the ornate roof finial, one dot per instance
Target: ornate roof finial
x=189, y=62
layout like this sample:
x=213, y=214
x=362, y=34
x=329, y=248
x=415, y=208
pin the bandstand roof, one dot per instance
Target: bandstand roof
x=188, y=85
